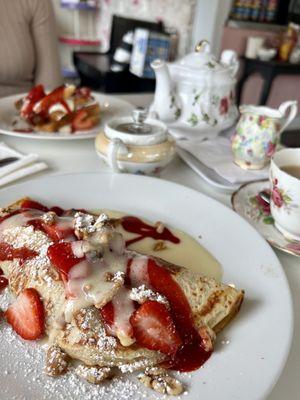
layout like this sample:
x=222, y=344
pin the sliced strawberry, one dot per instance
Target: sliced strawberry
x=108, y=314
x=26, y=315
x=33, y=205
x=56, y=96
x=62, y=257
x=35, y=95
x=154, y=329
x=81, y=121
x=54, y=231
x=117, y=314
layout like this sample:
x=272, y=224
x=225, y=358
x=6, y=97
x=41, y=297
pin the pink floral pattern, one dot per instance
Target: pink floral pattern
x=262, y=207
x=224, y=106
x=279, y=197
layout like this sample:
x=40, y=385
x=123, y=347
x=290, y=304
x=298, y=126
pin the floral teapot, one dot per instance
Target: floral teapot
x=197, y=92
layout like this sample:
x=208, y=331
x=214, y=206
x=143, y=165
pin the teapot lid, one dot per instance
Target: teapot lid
x=136, y=129
x=201, y=59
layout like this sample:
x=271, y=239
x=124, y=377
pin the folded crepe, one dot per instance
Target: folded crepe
x=103, y=304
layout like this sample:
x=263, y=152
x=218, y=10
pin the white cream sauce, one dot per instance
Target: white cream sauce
x=87, y=281
x=123, y=309
x=188, y=253
x=19, y=219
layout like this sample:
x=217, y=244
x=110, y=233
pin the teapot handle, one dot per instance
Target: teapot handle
x=293, y=105
x=114, y=147
x=230, y=58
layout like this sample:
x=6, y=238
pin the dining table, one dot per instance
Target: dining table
x=65, y=157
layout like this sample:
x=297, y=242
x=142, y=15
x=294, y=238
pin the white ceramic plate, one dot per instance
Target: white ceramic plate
x=111, y=106
x=251, y=352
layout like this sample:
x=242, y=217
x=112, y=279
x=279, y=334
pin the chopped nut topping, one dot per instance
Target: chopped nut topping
x=117, y=277
x=84, y=222
x=159, y=246
x=159, y=380
x=95, y=374
x=49, y=217
x=159, y=227
x=56, y=361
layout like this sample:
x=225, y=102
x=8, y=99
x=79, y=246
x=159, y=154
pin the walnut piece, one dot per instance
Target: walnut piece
x=159, y=227
x=159, y=380
x=56, y=361
x=94, y=374
x=159, y=246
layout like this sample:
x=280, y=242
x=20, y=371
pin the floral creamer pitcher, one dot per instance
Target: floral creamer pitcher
x=258, y=132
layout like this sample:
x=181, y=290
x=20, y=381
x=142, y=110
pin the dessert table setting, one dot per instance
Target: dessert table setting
x=217, y=173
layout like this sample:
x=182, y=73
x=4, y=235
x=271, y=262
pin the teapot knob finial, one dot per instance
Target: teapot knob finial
x=139, y=114
x=201, y=46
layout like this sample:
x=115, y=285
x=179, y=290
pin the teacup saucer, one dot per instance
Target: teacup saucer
x=246, y=202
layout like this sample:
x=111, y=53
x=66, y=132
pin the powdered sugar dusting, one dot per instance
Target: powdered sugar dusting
x=23, y=378
x=26, y=237
x=142, y=293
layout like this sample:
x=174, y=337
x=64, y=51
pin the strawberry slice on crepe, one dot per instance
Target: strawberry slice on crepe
x=26, y=315
x=154, y=329
x=62, y=257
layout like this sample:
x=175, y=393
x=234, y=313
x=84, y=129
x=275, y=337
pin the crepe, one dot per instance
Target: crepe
x=85, y=336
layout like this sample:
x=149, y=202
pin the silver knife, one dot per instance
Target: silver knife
x=7, y=160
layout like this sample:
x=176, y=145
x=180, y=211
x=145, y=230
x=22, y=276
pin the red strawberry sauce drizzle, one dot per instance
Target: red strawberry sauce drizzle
x=191, y=355
x=8, y=253
x=143, y=230
x=3, y=280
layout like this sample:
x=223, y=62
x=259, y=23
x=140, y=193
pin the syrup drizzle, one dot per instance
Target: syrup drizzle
x=8, y=253
x=143, y=230
x=191, y=355
x=3, y=281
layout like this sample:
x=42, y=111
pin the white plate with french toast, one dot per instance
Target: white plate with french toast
x=66, y=113
x=133, y=287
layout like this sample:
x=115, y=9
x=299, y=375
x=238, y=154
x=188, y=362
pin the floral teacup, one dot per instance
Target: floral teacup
x=285, y=193
x=258, y=133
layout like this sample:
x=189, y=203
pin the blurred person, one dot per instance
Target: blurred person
x=28, y=46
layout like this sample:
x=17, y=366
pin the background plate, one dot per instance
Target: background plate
x=110, y=106
x=252, y=351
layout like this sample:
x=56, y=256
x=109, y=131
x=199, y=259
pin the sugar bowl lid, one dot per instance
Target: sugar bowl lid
x=136, y=129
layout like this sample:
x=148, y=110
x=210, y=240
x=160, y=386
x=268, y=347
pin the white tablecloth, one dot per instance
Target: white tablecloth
x=79, y=156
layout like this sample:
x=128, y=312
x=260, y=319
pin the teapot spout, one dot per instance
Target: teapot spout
x=165, y=104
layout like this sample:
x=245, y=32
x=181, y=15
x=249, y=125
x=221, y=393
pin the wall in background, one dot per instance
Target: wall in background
x=174, y=13
x=210, y=17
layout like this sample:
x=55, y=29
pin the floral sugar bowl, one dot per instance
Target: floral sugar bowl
x=258, y=132
x=197, y=92
x=136, y=144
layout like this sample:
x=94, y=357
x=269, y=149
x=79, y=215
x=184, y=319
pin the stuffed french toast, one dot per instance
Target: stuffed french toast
x=111, y=309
